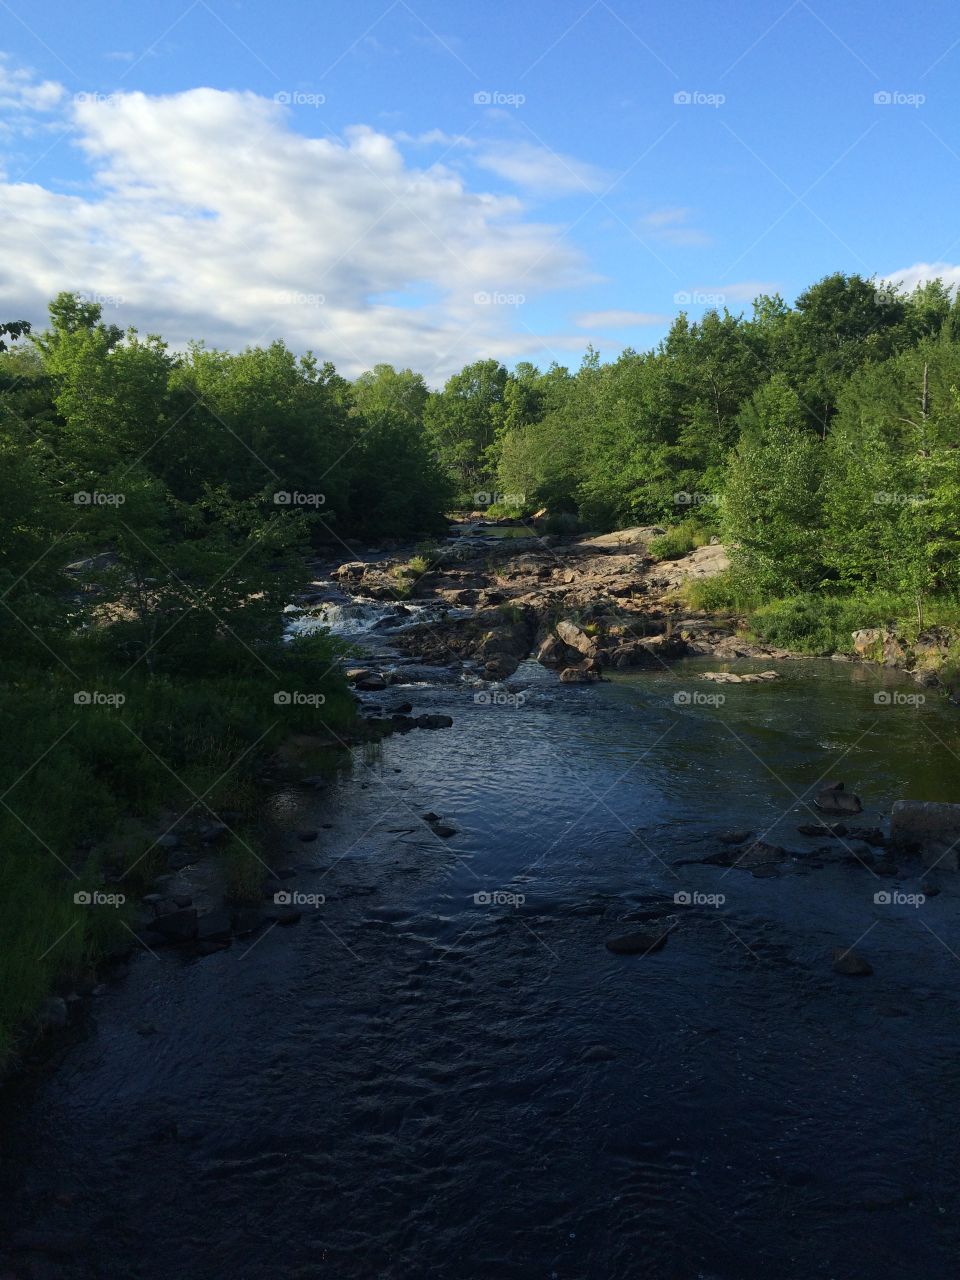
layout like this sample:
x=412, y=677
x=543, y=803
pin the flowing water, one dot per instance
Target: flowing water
x=442, y=1074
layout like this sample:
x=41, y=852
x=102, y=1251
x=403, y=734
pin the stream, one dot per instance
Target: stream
x=441, y=1073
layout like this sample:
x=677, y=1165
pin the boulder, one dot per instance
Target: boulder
x=577, y=675
x=834, y=799
x=927, y=827
x=570, y=634
x=867, y=641
x=433, y=722
x=555, y=653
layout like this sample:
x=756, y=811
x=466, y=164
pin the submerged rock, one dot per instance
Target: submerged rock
x=637, y=944
x=850, y=963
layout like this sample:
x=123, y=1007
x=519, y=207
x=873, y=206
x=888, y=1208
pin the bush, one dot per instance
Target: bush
x=726, y=592
x=678, y=541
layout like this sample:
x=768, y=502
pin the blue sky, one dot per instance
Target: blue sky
x=428, y=182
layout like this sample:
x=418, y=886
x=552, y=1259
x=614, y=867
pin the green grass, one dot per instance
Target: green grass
x=678, y=541
x=90, y=785
x=821, y=624
x=726, y=592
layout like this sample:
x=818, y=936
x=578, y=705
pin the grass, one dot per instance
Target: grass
x=679, y=540
x=89, y=784
x=817, y=623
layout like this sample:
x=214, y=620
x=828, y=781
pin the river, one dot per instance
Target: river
x=442, y=1074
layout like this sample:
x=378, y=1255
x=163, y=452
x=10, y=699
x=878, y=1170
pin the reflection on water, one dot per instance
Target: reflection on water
x=418, y=1082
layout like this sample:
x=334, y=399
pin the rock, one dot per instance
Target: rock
x=577, y=675
x=180, y=859
x=554, y=653
x=850, y=963
x=598, y=1053
x=370, y=684
x=177, y=926
x=442, y=830
x=867, y=641
x=574, y=636
x=431, y=817
x=929, y=889
x=834, y=799
x=53, y=1014
x=734, y=837
x=637, y=944
x=434, y=722
x=929, y=828
x=307, y=836
x=756, y=854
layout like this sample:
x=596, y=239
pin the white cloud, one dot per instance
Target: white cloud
x=209, y=217
x=921, y=272
x=672, y=226
x=543, y=171
x=619, y=319
x=20, y=91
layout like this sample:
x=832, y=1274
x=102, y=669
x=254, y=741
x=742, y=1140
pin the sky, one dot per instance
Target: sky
x=433, y=182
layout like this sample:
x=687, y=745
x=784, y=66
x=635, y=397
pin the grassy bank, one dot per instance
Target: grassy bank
x=98, y=761
x=821, y=624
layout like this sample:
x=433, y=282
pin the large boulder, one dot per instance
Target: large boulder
x=555, y=653
x=929, y=828
x=576, y=638
x=866, y=641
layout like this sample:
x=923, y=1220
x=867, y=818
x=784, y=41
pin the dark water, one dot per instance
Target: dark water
x=413, y=1084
